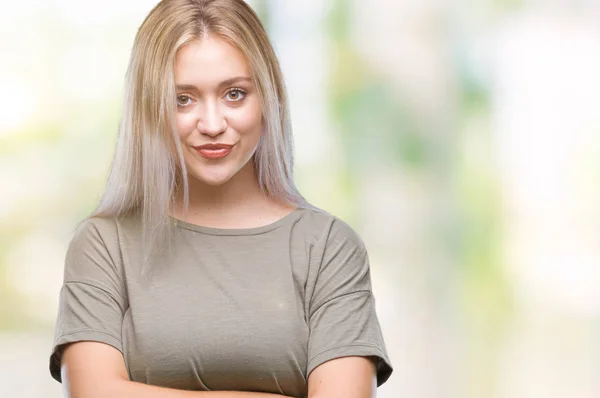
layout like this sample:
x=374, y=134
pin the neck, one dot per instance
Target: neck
x=240, y=193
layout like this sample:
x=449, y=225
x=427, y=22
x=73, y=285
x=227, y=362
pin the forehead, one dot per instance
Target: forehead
x=207, y=61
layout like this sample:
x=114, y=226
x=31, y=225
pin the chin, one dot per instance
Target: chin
x=212, y=180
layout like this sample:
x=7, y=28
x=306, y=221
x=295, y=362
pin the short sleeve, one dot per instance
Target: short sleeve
x=92, y=297
x=342, y=315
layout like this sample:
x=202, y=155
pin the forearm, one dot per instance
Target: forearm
x=130, y=389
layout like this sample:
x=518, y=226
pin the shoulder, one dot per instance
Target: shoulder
x=106, y=230
x=97, y=241
x=99, y=233
x=327, y=229
x=92, y=232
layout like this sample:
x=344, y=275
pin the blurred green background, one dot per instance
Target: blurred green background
x=460, y=139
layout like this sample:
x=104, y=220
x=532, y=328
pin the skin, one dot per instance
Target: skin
x=224, y=193
x=218, y=103
x=210, y=111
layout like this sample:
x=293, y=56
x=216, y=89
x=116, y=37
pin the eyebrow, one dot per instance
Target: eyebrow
x=227, y=82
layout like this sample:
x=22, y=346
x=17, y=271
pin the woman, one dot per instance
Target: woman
x=203, y=272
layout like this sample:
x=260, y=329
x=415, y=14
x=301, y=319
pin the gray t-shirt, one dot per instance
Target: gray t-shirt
x=254, y=309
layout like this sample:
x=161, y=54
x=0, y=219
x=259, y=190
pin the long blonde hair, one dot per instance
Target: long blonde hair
x=148, y=167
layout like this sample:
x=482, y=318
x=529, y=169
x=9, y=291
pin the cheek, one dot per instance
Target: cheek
x=247, y=121
x=186, y=124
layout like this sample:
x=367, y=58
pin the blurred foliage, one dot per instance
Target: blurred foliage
x=448, y=257
x=375, y=127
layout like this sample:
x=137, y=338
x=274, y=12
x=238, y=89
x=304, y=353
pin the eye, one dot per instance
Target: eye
x=183, y=100
x=235, y=94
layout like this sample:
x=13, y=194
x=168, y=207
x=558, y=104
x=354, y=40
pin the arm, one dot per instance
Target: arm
x=97, y=370
x=347, y=377
x=346, y=350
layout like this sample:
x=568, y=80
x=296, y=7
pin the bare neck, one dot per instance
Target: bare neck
x=239, y=203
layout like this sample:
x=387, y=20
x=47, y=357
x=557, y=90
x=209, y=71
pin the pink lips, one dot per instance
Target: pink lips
x=214, y=151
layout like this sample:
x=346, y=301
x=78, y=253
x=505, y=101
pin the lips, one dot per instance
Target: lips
x=213, y=151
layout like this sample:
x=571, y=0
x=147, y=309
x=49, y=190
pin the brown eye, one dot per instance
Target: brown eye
x=235, y=94
x=183, y=100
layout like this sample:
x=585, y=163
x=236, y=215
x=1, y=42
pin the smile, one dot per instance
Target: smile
x=213, y=152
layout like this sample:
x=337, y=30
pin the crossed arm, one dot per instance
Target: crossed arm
x=106, y=376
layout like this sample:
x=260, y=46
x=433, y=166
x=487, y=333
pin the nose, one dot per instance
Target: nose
x=211, y=120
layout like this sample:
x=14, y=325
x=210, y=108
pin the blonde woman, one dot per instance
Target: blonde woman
x=203, y=272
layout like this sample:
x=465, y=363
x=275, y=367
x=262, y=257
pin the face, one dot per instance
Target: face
x=219, y=117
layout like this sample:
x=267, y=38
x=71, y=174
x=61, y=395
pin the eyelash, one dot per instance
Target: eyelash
x=235, y=89
x=239, y=90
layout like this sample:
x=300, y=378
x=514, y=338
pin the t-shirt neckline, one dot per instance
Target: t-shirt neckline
x=235, y=231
